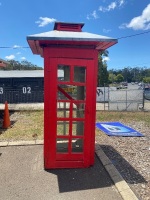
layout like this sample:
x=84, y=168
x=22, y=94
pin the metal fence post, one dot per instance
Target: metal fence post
x=126, y=101
x=104, y=96
x=143, y=98
x=108, y=96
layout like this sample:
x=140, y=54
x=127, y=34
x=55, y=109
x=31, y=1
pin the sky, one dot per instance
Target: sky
x=113, y=18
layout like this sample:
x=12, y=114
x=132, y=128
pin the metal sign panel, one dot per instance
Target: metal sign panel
x=102, y=94
x=117, y=129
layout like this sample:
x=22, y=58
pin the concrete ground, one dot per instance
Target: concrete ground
x=22, y=176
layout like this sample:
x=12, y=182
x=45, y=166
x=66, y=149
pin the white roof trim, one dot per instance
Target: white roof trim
x=68, y=35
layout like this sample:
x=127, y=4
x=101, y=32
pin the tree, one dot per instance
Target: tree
x=112, y=78
x=126, y=73
x=146, y=80
x=119, y=78
x=102, y=79
x=135, y=74
x=24, y=65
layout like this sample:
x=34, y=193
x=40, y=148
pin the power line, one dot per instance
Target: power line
x=14, y=47
x=123, y=37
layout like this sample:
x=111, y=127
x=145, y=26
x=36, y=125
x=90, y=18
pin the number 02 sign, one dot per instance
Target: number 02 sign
x=26, y=90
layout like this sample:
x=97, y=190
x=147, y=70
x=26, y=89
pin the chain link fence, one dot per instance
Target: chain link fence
x=129, y=100
x=109, y=98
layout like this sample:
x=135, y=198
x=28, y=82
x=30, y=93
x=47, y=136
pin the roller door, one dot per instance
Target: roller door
x=22, y=90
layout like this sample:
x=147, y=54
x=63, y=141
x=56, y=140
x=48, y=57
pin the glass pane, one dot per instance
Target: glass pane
x=80, y=93
x=79, y=74
x=62, y=145
x=63, y=73
x=65, y=92
x=78, y=128
x=62, y=127
x=68, y=92
x=77, y=145
x=63, y=109
x=78, y=110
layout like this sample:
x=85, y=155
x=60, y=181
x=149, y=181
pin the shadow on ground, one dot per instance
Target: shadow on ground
x=130, y=175
x=96, y=176
x=1, y=121
x=82, y=179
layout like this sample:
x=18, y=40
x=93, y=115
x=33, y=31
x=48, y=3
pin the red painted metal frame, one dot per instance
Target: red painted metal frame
x=68, y=26
x=69, y=56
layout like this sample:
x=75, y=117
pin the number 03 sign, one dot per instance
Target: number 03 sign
x=1, y=90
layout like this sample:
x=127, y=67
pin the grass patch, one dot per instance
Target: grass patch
x=126, y=117
x=28, y=125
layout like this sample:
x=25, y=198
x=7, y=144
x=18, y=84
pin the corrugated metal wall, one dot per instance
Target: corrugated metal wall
x=22, y=90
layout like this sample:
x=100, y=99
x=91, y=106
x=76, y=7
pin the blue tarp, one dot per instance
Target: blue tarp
x=117, y=129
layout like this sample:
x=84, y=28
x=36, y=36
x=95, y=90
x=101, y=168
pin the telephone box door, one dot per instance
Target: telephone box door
x=69, y=113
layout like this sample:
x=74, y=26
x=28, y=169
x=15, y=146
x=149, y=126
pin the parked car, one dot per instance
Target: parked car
x=122, y=85
x=125, y=84
x=147, y=93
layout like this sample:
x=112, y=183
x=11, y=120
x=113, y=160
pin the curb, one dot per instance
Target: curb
x=21, y=143
x=121, y=185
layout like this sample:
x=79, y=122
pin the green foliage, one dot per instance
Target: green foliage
x=102, y=79
x=146, y=80
x=112, y=78
x=119, y=78
x=24, y=65
x=131, y=74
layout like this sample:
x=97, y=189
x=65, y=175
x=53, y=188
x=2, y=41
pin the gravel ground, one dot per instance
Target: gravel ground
x=131, y=156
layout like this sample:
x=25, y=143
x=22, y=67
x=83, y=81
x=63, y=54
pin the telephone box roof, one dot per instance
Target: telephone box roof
x=69, y=34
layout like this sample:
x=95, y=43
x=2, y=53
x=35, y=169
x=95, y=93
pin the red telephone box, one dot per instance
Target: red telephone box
x=70, y=76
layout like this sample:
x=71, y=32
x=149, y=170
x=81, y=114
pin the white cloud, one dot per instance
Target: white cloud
x=106, y=30
x=113, y=5
x=105, y=59
x=122, y=26
x=18, y=53
x=16, y=46
x=45, y=21
x=23, y=58
x=11, y=57
x=93, y=15
x=121, y=2
x=141, y=22
x=87, y=17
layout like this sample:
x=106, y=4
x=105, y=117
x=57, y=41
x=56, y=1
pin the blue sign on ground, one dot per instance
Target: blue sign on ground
x=117, y=129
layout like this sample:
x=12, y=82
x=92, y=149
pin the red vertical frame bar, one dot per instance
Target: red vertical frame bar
x=50, y=105
x=92, y=77
x=89, y=152
x=70, y=128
